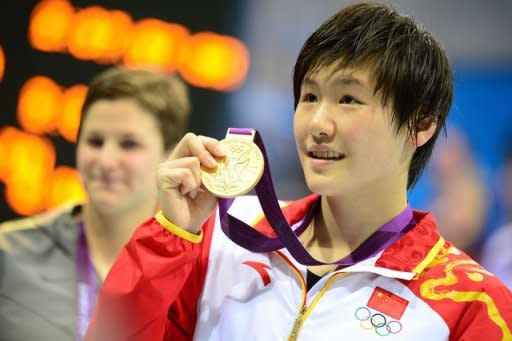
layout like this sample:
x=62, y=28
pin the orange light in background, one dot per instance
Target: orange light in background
x=215, y=61
x=206, y=59
x=92, y=34
x=156, y=44
x=49, y=23
x=25, y=198
x=8, y=137
x=39, y=104
x=68, y=120
x=31, y=155
x=2, y=63
x=123, y=30
x=65, y=186
x=32, y=161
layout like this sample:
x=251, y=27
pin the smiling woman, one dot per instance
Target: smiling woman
x=54, y=263
x=372, y=91
x=119, y=148
x=337, y=121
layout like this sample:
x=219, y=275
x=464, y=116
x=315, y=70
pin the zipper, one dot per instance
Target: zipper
x=299, y=321
x=305, y=308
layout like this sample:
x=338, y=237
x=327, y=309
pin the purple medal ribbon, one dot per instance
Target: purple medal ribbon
x=253, y=240
x=85, y=286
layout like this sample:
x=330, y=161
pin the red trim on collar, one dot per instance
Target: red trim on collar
x=410, y=250
x=403, y=255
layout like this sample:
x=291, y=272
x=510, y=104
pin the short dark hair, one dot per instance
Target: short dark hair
x=409, y=66
x=165, y=97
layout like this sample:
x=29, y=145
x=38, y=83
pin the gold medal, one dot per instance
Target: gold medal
x=238, y=172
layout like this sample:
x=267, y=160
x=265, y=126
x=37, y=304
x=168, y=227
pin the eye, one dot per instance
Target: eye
x=129, y=144
x=347, y=99
x=309, y=98
x=95, y=142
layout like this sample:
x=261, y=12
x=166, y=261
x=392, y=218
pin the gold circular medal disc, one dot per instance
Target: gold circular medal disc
x=238, y=172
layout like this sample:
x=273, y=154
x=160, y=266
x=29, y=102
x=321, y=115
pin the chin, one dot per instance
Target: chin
x=104, y=205
x=328, y=187
x=320, y=187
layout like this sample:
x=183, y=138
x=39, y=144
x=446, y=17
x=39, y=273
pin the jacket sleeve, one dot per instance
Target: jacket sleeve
x=489, y=314
x=151, y=291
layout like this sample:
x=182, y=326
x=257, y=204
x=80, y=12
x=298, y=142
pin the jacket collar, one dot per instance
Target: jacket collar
x=404, y=259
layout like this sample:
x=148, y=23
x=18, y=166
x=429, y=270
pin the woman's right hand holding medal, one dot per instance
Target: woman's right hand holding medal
x=183, y=199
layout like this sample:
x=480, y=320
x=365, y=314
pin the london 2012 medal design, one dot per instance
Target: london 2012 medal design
x=238, y=172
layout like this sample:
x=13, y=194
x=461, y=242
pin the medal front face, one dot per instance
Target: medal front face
x=238, y=172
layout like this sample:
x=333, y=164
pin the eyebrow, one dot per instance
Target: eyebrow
x=343, y=81
x=96, y=133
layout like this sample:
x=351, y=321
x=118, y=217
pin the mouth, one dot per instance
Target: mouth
x=326, y=155
x=107, y=182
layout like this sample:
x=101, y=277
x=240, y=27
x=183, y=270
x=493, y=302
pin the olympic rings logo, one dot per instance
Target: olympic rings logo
x=377, y=322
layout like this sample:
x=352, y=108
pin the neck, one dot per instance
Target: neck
x=343, y=223
x=107, y=233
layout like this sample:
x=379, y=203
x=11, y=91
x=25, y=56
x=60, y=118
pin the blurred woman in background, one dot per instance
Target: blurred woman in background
x=460, y=201
x=52, y=264
x=496, y=252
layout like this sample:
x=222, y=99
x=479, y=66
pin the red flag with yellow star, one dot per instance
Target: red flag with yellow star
x=388, y=303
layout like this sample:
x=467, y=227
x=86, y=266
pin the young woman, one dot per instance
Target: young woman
x=51, y=265
x=372, y=92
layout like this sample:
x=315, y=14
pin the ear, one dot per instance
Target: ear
x=426, y=129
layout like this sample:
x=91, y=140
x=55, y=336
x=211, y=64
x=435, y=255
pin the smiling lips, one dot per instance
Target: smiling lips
x=324, y=153
x=107, y=181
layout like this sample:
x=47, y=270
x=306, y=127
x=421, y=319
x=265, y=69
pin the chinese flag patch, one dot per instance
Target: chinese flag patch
x=388, y=303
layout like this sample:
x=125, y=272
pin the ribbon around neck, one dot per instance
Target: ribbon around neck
x=251, y=239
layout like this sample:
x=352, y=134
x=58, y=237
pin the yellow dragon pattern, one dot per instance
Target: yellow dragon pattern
x=443, y=288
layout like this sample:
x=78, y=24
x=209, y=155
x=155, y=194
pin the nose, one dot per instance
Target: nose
x=322, y=126
x=108, y=155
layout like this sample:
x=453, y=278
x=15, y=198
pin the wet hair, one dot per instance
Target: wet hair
x=165, y=97
x=408, y=66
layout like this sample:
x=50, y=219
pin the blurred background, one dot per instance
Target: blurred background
x=237, y=57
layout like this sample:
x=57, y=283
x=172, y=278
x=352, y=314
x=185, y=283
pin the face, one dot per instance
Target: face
x=346, y=140
x=119, y=150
